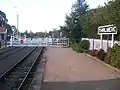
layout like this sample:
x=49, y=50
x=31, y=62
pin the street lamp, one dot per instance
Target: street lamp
x=17, y=16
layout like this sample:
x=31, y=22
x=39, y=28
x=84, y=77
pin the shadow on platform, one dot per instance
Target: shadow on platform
x=112, y=84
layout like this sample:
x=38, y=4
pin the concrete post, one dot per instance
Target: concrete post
x=101, y=42
x=112, y=43
x=11, y=41
x=93, y=44
x=68, y=42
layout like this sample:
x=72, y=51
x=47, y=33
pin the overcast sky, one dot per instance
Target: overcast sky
x=40, y=15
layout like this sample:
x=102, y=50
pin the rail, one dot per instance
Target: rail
x=22, y=68
x=30, y=70
x=6, y=49
x=16, y=63
x=9, y=52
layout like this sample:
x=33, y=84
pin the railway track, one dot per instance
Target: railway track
x=14, y=78
x=10, y=51
x=8, y=62
x=6, y=49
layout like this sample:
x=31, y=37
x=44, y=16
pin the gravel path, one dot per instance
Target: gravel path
x=68, y=70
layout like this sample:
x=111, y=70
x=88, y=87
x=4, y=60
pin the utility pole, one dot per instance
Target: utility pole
x=17, y=17
x=17, y=23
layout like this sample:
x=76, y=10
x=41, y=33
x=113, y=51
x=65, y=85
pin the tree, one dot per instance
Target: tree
x=73, y=22
x=55, y=33
x=9, y=29
x=94, y=18
x=65, y=31
x=40, y=34
x=3, y=22
x=31, y=34
x=26, y=33
x=114, y=14
x=3, y=19
x=84, y=22
x=50, y=33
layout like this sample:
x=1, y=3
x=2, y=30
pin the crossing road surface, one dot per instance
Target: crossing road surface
x=68, y=70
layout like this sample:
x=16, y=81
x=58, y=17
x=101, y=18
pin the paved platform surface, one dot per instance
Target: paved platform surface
x=68, y=70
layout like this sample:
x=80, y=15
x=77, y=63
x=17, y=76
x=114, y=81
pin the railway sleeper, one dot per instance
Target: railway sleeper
x=6, y=49
x=18, y=74
x=7, y=54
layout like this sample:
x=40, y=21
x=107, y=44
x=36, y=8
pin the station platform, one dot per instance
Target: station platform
x=67, y=70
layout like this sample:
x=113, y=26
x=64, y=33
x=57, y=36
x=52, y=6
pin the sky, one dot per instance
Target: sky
x=40, y=15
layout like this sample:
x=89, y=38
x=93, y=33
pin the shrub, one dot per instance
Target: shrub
x=76, y=47
x=85, y=44
x=113, y=56
x=90, y=52
x=101, y=54
x=72, y=45
x=108, y=56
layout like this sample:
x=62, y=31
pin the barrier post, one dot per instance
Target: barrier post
x=112, y=43
x=11, y=41
x=101, y=42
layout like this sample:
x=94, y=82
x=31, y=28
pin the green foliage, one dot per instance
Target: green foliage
x=108, y=56
x=76, y=47
x=73, y=23
x=84, y=23
x=3, y=19
x=80, y=47
x=94, y=18
x=3, y=23
x=114, y=14
x=85, y=44
x=113, y=56
x=9, y=29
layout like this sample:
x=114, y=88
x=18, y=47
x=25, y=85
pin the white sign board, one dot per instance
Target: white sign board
x=108, y=29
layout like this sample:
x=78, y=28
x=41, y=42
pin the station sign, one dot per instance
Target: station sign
x=108, y=29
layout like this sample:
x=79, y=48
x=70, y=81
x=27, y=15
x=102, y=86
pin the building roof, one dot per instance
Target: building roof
x=2, y=30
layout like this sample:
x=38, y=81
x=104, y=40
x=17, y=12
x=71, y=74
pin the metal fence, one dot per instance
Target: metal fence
x=53, y=42
x=95, y=43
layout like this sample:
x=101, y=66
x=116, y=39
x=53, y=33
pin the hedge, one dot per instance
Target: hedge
x=113, y=56
x=80, y=47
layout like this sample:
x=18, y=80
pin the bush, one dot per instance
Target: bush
x=90, y=52
x=76, y=47
x=85, y=44
x=101, y=54
x=81, y=47
x=72, y=45
x=113, y=56
x=108, y=56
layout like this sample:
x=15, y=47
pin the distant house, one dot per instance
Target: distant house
x=3, y=33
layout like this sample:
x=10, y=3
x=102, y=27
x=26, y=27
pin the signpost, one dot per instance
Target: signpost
x=105, y=30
